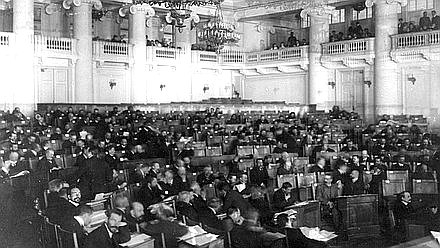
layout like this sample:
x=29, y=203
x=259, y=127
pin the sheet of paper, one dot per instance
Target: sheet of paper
x=136, y=239
x=316, y=234
x=201, y=240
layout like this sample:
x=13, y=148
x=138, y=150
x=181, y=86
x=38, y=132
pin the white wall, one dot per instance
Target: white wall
x=290, y=88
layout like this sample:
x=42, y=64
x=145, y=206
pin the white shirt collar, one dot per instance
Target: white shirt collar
x=79, y=220
x=76, y=204
x=110, y=234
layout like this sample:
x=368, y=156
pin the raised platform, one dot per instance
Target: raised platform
x=225, y=104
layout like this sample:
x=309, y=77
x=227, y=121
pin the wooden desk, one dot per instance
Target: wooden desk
x=425, y=242
x=309, y=214
x=359, y=215
x=139, y=240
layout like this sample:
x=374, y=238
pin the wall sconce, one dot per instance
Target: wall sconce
x=332, y=84
x=205, y=88
x=162, y=86
x=412, y=79
x=368, y=83
x=112, y=83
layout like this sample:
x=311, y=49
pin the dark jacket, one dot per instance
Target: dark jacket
x=94, y=177
x=171, y=230
x=187, y=210
x=149, y=196
x=100, y=238
x=354, y=188
x=280, y=202
x=235, y=199
x=259, y=176
x=72, y=225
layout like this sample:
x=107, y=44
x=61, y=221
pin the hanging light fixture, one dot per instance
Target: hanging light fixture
x=179, y=9
x=217, y=33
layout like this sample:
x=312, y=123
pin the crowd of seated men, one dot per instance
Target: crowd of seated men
x=426, y=23
x=101, y=141
x=355, y=31
x=292, y=41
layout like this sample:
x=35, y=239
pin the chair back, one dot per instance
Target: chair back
x=66, y=239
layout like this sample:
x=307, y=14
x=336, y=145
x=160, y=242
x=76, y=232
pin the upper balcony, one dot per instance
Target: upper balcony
x=348, y=53
x=419, y=46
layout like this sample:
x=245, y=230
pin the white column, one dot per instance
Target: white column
x=387, y=100
x=23, y=87
x=82, y=31
x=318, y=75
x=137, y=38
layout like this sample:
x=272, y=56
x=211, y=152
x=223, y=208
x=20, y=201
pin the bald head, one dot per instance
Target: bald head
x=13, y=156
x=137, y=210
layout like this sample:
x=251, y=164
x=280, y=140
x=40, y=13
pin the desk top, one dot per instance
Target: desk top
x=425, y=242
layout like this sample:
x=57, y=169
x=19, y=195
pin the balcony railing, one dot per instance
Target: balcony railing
x=54, y=45
x=111, y=50
x=5, y=39
x=278, y=55
x=418, y=39
x=348, y=46
x=232, y=56
x=204, y=57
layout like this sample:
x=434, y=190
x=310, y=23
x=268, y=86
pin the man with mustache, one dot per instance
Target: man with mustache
x=111, y=233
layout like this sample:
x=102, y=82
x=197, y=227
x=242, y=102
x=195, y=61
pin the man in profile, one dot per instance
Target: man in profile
x=109, y=234
x=283, y=197
x=76, y=224
x=403, y=211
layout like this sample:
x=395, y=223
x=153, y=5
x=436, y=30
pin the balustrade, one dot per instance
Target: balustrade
x=5, y=38
x=54, y=44
x=349, y=46
x=418, y=39
x=111, y=50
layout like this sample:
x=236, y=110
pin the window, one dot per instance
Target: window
x=415, y=5
x=363, y=14
x=337, y=17
x=305, y=22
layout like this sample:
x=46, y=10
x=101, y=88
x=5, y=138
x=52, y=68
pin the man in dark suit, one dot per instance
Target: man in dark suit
x=208, y=216
x=355, y=186
x=77, y=223
x=401, y=164
x=169, y=185
x=47, y=163
x=33, y=151
x=135, y=216
x=232, y=198
x=283, y=197
x=109, y=234
x=94, y=177
x=320, y=166
x=403, y=211
x=60, y=208
x=185, y=208
x=259, y=175
x=111, y=158
x=150, y=193
x=206, y=177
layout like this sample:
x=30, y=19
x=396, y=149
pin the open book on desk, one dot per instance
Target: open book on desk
x=197, y=237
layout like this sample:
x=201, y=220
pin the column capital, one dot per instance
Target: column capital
x=318, y=11
x=133, y=9
x=370, y=3
x=97, y=4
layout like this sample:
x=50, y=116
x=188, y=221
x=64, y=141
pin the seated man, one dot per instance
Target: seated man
x=232, y=198
x=185, y=208
x=163, y=224
x=135, y=216
x=206, y=177
x=74, y=196
x=169, y=185
x=208, y=216
x=109, y=234
x=150, y=193
x=60, y=208
x=355, y=186
x=320, y=166
x=326, y=193
x=239, y=235
x=77, y=223
x=283, y=197
x=294, y=236
x=401, y=164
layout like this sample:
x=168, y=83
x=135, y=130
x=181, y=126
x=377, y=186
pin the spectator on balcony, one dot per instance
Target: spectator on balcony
x=400, y=26
x=367, y=33
x=358, y=30
x=405, y=28
x=340, y=36
x=282, y=46
x=304, y=42
x=157, y=43
x=333, y=36
x=435, y=20
x=352, y=29
x=425, y=21
x=116, y=38
x=274, y=46
x=412, y=27
x=291, y=41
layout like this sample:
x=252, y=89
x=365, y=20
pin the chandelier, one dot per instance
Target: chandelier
x=179, y=9
x=217, y=33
